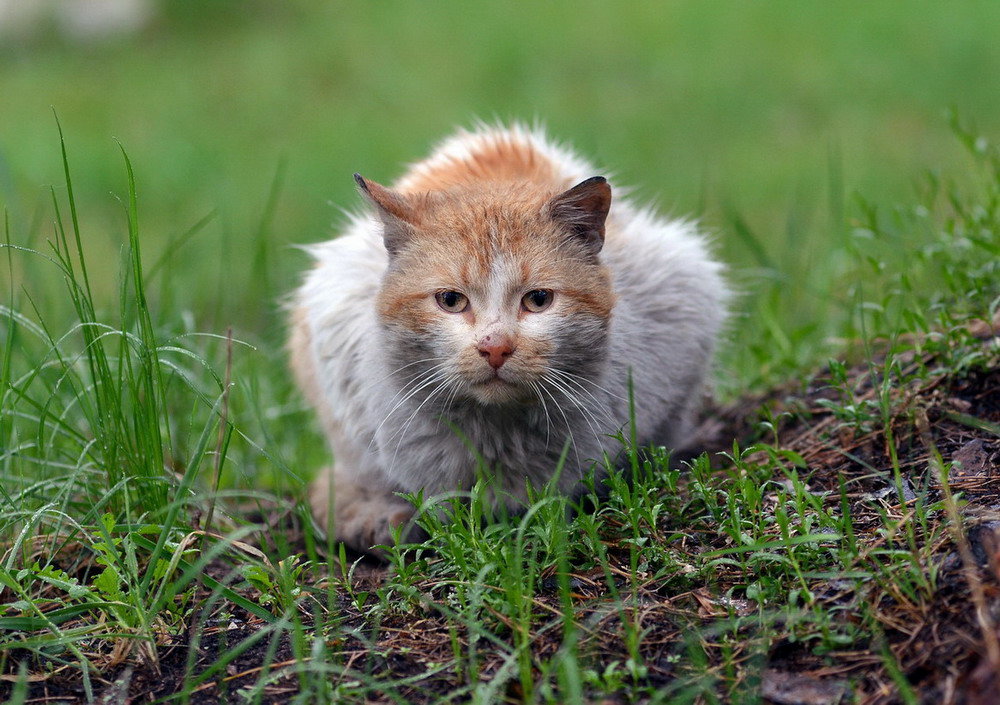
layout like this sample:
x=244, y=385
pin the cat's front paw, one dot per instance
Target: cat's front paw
x=360, y=516
x=379, y=528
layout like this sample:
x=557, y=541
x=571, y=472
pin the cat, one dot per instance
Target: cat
x=492, y=309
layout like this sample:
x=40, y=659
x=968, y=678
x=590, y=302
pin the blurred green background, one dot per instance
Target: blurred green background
x=757, y=117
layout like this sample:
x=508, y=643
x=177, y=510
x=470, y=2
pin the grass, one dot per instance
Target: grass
x=837, y=539
x=822, y=535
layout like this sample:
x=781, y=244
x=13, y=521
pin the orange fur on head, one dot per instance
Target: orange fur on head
x=465, y=234
x=501, y=159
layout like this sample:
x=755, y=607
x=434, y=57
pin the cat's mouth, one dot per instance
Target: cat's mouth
x=497, y=390
x=495, y=382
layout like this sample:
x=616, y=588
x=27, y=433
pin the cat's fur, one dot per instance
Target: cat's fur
x=494, y=215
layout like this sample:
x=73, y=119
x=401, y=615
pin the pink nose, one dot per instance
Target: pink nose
x=496, y=349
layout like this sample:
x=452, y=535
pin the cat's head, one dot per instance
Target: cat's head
x=496, y=290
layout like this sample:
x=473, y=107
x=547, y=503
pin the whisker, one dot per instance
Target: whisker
x=580, y=378
x=569, y=426
x=449, y=400
x=545, y=410
x=402, y=432
x=417, y=375
x=422, y=380
x=399, y=369
x=572, y=398
x=569, y=378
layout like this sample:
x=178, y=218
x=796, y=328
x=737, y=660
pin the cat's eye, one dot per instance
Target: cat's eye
x=537, y=300
x=452, y=301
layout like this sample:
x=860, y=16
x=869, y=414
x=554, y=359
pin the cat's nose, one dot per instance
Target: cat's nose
x=496, y=349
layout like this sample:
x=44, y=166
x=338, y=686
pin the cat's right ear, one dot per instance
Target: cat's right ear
x=396, y=212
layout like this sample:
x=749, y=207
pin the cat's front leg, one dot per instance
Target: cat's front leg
x=360, y=513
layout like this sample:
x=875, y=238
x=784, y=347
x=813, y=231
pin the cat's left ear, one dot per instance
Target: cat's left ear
x=583, y=209
x=398, y=215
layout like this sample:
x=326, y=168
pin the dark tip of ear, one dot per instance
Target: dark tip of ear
x=583, y=210
x=360, y=180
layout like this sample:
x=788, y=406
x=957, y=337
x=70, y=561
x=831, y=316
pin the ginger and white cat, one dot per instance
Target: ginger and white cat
x=491, y=306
